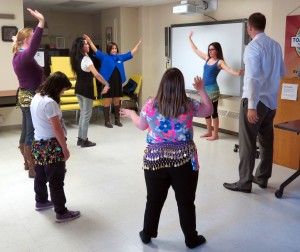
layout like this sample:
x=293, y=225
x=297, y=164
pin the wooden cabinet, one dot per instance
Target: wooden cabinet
x=287, y=144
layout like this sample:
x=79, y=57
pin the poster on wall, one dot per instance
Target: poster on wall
x=109, y=35
x=292, y=46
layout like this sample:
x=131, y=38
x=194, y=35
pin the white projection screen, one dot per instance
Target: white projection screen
x=232, y=36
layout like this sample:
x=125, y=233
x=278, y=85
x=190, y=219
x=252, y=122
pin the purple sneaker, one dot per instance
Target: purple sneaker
x=69, y=215
x=43, y=206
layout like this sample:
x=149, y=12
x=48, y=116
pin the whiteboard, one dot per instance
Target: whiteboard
x=232, y=37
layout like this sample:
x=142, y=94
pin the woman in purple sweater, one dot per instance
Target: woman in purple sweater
x=30, y=75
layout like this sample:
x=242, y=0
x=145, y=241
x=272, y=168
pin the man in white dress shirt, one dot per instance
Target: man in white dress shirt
x=264, y=68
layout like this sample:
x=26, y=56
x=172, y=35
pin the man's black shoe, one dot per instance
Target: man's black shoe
x=261, y=185
x=144, y=237
x=234, y=187
x=195, y=243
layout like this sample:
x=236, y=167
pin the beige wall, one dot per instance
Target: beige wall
x=67, y=25
x=129, y=24
x=130, y=35
x=8, y=80
x=111, y=18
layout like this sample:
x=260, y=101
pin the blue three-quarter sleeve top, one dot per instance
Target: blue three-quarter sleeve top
x=110, y=61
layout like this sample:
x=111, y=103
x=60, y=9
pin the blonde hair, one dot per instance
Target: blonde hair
x=19, y=39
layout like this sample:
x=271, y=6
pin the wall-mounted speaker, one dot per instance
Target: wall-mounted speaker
x=167, y=41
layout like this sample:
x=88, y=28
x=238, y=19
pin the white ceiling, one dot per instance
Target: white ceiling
x=90, y=6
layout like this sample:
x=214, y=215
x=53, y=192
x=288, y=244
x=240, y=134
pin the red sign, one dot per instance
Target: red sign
x=292, y=46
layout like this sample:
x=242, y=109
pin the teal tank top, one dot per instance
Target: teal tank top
x=210, y=73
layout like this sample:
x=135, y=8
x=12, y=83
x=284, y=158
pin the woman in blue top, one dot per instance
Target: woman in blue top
x=214, y=63
x=112, y=69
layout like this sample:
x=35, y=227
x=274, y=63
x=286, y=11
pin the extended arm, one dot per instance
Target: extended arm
x=100, y=78
x=196, y=50
x=140, y=122
x=136, y=47
x=60, y=136
x=223, y=65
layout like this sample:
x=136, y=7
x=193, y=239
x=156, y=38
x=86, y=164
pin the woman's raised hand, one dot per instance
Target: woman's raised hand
x=36, y=14
x=87, y=38
x=198, y=84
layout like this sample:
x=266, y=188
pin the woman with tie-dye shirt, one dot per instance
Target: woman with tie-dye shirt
x=171, y=156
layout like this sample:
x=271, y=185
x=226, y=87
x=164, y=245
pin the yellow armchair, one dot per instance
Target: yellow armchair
x=62, y=64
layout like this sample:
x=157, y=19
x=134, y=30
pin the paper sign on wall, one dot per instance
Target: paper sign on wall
x=40, y=58
x=289, y=92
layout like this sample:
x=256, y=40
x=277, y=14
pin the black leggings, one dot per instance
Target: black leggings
x=215, y=113
x=183, y=180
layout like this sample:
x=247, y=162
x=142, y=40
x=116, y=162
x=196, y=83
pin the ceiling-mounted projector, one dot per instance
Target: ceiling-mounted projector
x=195, y=7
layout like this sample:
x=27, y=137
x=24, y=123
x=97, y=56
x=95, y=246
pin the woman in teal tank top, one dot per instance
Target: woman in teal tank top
x=213, y=65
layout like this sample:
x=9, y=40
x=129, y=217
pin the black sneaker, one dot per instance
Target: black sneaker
x=69, y=215
x=87, y=143
x=43, y=206
x=79, y=141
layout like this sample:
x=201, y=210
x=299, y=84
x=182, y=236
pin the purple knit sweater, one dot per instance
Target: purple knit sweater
x=30, y=74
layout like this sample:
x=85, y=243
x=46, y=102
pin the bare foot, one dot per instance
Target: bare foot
x=206, y=135
x=212, y=138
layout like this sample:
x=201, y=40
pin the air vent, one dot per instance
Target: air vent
x=75, y=4
x=233, y=115
x=222, y=112
x=226, y=113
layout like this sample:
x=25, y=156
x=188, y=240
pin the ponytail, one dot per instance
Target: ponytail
x=19, y=39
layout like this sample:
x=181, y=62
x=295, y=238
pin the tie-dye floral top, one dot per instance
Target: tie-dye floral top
x=163, y=130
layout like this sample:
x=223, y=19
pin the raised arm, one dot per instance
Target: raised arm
x=206, y=104
x=35, y=42
x=88, y=39
x=133, y=51
x=223, y=65
x=196, y=50
x=38, y=16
